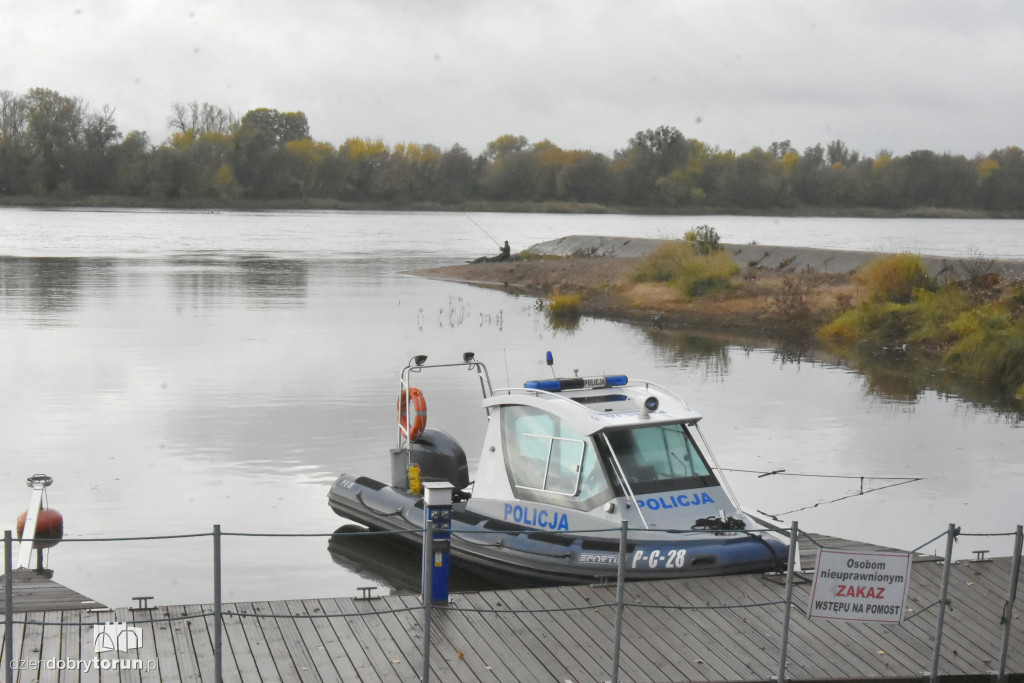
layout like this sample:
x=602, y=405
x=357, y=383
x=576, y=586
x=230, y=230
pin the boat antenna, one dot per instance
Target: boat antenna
x=504, y=351
x=551, y=364
x=481, y=229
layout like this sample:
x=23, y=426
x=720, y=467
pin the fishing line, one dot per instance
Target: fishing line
x=836, y=500
x=898, y=481
x=481, y=228
x=784, y=473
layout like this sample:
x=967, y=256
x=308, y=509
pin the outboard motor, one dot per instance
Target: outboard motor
x=439, y=456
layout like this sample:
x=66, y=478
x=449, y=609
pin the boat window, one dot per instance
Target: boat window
x=547, y=459
x=660, y=458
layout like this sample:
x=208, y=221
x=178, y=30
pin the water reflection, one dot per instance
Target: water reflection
x=905, y=375
x=394, y=565
x=709, y=356
x=894, y=375
x=47, y=289
x=259, y=281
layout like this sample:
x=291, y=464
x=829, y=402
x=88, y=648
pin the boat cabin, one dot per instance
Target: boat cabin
x=585, y=448
x=604, y=447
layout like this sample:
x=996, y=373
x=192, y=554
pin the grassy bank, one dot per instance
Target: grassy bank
x=975, y=322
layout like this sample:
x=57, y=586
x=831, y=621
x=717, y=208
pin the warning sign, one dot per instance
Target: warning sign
x=860, y=586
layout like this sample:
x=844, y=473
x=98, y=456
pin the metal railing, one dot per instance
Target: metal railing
x=620, y=604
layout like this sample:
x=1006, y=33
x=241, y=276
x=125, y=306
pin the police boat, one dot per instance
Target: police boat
x=564, y=462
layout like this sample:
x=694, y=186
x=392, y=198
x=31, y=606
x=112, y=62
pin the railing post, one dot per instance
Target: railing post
x=427, y=591
x=784, y=644
x=620, y=599
x=218, y=655
x=951, y=535
x=1011, y=598
x=8, y=606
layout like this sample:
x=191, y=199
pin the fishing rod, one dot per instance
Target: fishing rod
x=481, y=229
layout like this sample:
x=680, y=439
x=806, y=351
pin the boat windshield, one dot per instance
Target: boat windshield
x=659, y=458
x=549, y=461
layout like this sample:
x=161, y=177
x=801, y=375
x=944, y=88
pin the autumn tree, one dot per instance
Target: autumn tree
x=363, y=167
x=99, y=137
x=132, y=161
x=201, y=118
x=514, y=171
x=1001, y=180
x=16, y=156
x=259, y=150
x=586, y=177
x=55, y=126
x=649, y=156
x=754, y=181
x=457, y=177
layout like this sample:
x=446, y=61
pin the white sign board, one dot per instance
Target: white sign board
x=860, y=586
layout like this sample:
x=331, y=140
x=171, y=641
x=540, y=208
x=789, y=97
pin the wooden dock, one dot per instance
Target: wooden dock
x=676, y=635
x=37, y=592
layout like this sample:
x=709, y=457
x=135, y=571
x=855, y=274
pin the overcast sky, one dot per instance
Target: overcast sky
x=897, y=75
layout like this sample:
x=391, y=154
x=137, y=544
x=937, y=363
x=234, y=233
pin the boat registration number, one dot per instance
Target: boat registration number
x=656, y=559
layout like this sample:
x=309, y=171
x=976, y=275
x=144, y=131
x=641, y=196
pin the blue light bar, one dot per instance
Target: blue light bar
x=568, y=383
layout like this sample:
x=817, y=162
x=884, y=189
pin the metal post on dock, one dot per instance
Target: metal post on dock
x=437, y=498
x=8, y=606
x=951, y=535
x=620, y=599
x=427, y=592
x=218, y=662
x=784, y=644
x=1007, y=619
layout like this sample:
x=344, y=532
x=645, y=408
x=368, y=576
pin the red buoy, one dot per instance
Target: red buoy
x=49, y=527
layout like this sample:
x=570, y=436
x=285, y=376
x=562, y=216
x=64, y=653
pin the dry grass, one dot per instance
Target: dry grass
x=562, y=305
x=894, y=278
x=652, y=296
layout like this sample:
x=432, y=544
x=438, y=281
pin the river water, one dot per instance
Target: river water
x=176, y=370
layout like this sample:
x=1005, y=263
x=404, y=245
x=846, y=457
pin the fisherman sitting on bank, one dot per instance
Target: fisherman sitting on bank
x=504, y=254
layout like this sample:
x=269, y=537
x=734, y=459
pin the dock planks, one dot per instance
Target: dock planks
x=510, y=635
x=34, y=592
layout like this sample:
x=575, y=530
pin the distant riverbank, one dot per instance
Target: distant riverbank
x=477, y=205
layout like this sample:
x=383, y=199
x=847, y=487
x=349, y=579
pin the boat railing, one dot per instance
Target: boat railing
x=418, y=364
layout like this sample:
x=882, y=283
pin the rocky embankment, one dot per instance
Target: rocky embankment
x=790, y=259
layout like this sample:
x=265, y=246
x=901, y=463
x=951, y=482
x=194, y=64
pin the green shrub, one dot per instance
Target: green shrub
x=705, y=239
x=894, y=278
x=691, y=273
x=985, y=341
x=882, y=322
x=935, y=311
x=990, y=346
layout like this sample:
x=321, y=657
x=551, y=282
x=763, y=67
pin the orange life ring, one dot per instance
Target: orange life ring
x=419, y=413
x=49, y=527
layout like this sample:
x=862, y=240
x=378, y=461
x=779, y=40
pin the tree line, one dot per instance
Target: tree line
x=57, y=146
